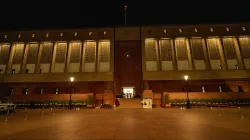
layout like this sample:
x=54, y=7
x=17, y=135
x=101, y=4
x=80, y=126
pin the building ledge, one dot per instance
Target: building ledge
x=56, y=77
x=197, y=75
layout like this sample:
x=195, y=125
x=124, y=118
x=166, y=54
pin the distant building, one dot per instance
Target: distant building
x=126, y=59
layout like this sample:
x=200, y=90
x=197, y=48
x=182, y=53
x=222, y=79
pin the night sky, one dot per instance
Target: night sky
x=44, y=15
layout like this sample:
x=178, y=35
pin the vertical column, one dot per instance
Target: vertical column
x=222, y=54
x=38, y=60
x=174, y=57
x=25, y=55
x=112, y=56
x=52, y=65
x=97, y=56
x=205, y=50
x=189, y=51
x=9, y=65
x=238, y=53
x=158, y=53
x=82, y=57
x=69, y=47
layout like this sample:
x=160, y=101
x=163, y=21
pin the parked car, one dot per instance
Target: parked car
x=4, y=106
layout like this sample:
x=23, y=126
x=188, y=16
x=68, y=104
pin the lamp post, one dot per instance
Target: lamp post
x=125, y=14
x=71, y=90
x=188, y=102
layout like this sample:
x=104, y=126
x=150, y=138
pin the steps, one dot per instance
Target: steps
x=130, y=103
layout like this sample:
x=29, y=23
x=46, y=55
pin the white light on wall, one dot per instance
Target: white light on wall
x=220, y=88
x=165, y=31
x=211, y=30
x=243, y=28
x=180, y=30
x=203, y=89
x=19, y=35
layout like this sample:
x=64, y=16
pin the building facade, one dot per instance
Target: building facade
x=126, y=60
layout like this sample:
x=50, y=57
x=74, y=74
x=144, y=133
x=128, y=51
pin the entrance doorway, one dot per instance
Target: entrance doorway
x=127, y=67
x=128, y=92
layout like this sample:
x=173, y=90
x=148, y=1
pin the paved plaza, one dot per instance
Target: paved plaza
x=126, y=124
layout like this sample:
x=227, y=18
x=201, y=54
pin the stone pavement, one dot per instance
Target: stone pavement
x=127, y=124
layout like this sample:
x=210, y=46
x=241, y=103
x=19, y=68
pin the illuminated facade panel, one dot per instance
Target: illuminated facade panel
x=245, y=50
x=75, y=56
x=198, y=53
x=182, y=54
x=166, y=54
x=230, y=53
x=17, y=57
x=151, y=54
x=31, y=57
x=4, y=57
x=104, y=56
x=60, y=57
x=46, y=57
x=214, y=53
x=89, y=56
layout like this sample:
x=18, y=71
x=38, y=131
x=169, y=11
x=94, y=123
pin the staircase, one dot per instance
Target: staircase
x=130, y=103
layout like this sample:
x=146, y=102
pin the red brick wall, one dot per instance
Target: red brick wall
x=209, y=95
x=37, y=97
x=195, y=85
x=49, y=88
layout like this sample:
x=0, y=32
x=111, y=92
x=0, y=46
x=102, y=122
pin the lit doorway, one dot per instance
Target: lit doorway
x=128, y=92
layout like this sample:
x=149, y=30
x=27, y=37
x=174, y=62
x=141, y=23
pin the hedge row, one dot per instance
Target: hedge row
x=209, y=102
x=53, y=103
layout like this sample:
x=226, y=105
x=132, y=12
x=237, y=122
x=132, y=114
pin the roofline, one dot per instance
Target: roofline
x=123, y=26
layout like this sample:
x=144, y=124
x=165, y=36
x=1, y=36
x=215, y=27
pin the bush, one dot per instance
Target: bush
x=209, y=102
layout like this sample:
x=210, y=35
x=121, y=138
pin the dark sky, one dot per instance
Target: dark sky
x=69, y=14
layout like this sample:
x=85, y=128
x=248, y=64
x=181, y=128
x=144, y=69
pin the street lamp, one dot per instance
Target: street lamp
x=188, y=102
x=71, y=90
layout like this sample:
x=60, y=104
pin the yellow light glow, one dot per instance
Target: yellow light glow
x=72, y=79
x=186, y=77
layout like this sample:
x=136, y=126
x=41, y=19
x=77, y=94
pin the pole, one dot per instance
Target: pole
x=188, y=102
x=125, y=14
x=70, y=98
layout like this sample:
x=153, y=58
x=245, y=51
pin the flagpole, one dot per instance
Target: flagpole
x=125, y=14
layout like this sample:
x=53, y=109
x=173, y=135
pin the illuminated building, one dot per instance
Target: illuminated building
x=216, y=58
